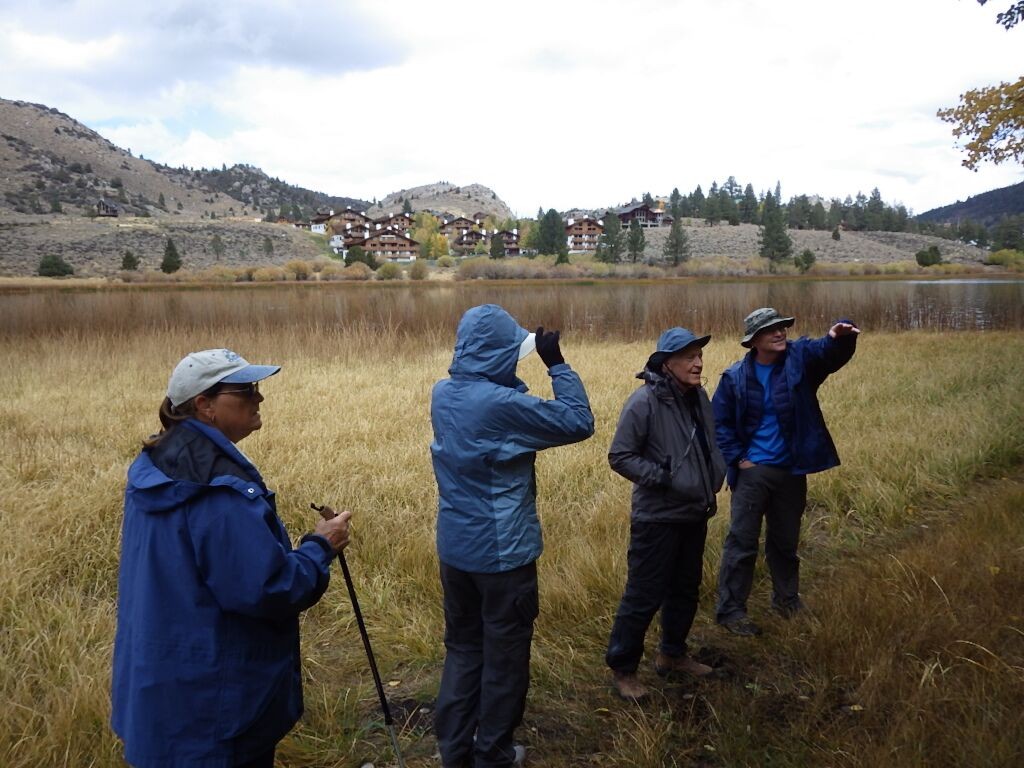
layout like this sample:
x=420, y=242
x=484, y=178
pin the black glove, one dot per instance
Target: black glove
x=547, y=347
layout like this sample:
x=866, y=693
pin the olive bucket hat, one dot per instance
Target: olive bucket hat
x=762, y=318
x=671, y=341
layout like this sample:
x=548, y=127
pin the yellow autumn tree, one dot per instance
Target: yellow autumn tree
x=991, y=120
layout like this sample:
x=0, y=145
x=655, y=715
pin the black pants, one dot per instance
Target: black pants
x=266, y=760
x=779, y=497
x=665, y=563
x=488, y=631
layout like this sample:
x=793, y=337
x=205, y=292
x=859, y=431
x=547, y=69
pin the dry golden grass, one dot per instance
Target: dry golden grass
x=927, y=641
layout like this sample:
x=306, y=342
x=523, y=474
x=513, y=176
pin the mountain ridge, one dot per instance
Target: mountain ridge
x=987, y=207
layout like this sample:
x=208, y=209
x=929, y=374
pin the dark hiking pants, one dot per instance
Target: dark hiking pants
x=779, y=497
x=664, y=569
x=488, y=630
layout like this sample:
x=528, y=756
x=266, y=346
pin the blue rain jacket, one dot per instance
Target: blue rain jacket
x=206, y=654
x=487, y=431
x=738, y=403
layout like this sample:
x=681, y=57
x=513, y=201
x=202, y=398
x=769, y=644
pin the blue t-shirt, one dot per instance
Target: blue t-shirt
x=767, y=445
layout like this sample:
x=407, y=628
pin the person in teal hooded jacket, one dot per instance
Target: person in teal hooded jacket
x=487, y=432
x=206, y=652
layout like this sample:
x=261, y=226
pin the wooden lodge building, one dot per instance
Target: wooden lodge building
x=456, y=227
x=582, y=235
x=641, y=212
x=336, y=224
x=400, y=222
x=388, y=245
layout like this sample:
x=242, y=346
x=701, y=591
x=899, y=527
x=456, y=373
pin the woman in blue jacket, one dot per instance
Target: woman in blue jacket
x=206, y=655
x=772, y=435
x=487, y=432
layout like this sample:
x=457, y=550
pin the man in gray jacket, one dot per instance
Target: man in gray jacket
x=665, y=443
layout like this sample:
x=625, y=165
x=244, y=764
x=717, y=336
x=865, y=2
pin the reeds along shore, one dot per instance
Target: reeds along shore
x=914, y=655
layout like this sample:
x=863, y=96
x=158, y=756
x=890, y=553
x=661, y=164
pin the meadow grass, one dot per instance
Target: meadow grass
x=912, y=553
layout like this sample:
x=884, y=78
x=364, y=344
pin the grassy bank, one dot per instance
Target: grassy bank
x=914, y=651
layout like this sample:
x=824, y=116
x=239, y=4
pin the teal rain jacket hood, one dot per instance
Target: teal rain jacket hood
x=487, y=431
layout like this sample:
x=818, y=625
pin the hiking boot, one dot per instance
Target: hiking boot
x=742, y=626
x=518, y=760
x=789, y=610
x=628, y=686
x=671, y=665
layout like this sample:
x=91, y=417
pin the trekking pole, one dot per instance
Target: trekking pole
x=327, y=513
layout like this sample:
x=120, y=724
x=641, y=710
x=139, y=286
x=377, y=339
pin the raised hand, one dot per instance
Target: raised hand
x=843, y=329
x=548, y=347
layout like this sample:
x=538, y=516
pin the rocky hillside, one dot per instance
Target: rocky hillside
x=444, y=197
x=265, y=195
x=95, y=247
x=50, y=163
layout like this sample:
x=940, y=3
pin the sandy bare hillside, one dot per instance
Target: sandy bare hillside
x=96, y=246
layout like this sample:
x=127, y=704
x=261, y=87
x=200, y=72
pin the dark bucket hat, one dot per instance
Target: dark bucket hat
x=762, y=318
x=671, y=341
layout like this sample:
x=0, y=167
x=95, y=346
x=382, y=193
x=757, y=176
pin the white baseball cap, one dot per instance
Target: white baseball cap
x=198, y=371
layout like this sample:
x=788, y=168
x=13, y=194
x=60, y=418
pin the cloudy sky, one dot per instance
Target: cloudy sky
x=556, y=103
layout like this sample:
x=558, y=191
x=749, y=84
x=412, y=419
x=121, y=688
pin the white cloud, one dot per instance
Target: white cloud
x=555, y=104
x=47, y=53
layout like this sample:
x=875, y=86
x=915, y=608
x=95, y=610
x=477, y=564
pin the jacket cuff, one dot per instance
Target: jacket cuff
x=318, y=539
x=560, y=368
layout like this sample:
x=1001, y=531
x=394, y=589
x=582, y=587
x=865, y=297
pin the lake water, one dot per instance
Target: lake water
x=600, y=309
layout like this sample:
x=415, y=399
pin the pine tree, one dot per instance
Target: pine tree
x=648, y=200
x=677, y=244
x=727, y=207
x=818, y=216
x=407, y=207
x=551, y=237
x=674, y=203
x=268, y=246
x=497, y=246
x=636, y=241
x=171, y=261
x=129, y=261
x=712, y=212
x=609, y=247
x=218, y=247
x=775, y=243
x=748, y=206
x=697, y=202
x=873, y=210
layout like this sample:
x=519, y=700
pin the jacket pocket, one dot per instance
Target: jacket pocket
x=688, y=484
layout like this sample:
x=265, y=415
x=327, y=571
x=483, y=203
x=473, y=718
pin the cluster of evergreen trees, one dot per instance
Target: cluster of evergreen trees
x=731, y=204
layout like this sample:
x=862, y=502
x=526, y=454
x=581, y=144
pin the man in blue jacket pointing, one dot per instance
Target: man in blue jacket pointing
x=487, y=432
x=772, y=435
